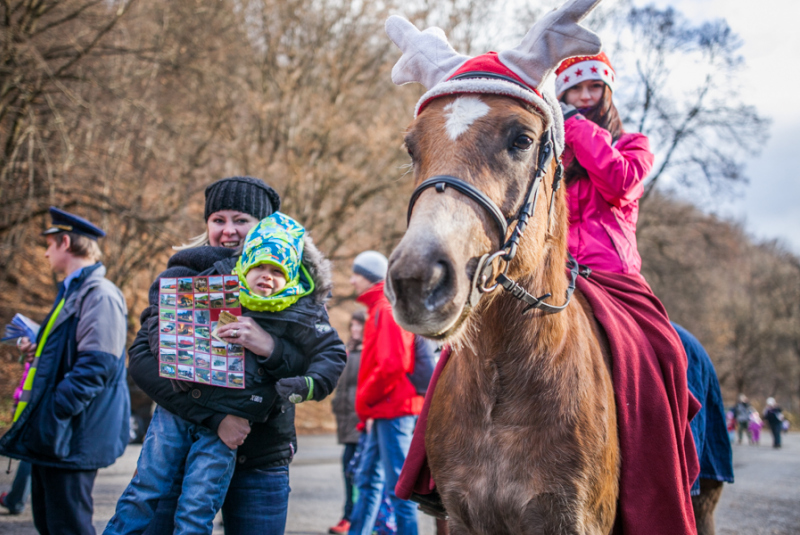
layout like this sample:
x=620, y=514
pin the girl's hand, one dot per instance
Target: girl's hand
x=246, y=332
x=568, y=110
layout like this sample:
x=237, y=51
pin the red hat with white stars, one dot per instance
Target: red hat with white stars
x=575, y=70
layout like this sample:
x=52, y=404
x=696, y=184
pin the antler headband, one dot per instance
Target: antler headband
x=429, y=59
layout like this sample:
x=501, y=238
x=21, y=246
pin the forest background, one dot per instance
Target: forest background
x=124, y=110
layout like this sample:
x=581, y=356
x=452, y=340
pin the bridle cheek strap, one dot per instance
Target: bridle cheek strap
x=440, y=182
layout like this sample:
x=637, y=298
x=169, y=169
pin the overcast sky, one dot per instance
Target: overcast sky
x=770, y=30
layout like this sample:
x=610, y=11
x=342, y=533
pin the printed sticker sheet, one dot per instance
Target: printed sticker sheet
x=189, y=309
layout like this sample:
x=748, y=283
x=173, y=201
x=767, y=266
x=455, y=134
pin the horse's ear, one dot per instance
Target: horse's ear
x=554, y=38
x=427, y=56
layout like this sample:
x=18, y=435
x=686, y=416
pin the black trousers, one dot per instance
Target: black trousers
x=61, y=500
x=777, y=429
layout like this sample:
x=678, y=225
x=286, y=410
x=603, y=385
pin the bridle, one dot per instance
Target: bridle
x=508, y=249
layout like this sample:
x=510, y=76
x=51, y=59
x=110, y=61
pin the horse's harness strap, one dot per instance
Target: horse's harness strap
x=538, y=302
x=529, y=206
x=508, y=250
x=440, y=182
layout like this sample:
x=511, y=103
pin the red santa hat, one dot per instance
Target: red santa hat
x=519, y=73
x=575, y=70
x=486, y=74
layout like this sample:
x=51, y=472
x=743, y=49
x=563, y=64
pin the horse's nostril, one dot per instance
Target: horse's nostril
x=438, y=289
x=438, y=272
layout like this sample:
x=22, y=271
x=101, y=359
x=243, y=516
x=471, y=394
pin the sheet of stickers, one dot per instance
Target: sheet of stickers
x=190, y=310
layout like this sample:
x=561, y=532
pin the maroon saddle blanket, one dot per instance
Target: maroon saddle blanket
x=654, y=408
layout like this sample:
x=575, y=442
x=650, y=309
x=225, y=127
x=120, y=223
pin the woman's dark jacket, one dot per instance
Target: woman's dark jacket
x=78, y=414
x=344, y=401
x=305, y=344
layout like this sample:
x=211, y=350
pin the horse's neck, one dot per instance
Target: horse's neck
x=502, y=331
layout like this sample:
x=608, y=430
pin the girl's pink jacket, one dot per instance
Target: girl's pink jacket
x=604, y=208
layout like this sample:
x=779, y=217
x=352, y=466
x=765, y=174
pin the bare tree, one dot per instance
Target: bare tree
x=680, y=85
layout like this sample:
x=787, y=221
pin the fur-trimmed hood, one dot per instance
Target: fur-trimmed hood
x=320, y=269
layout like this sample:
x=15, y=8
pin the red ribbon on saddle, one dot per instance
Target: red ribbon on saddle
x=654, y=408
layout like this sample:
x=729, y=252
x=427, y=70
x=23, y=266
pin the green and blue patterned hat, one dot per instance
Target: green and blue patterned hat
x=275, y=240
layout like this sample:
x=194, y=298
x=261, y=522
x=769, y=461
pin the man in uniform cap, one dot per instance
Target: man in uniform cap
x=74, y=412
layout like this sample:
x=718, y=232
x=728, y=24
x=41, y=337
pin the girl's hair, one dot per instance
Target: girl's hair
x=605, y=115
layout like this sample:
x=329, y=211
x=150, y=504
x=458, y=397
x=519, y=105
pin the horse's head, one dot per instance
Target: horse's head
x=485, y=127
x=494, y=144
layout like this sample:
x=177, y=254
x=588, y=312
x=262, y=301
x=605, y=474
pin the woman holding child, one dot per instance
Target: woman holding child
x=201, y=436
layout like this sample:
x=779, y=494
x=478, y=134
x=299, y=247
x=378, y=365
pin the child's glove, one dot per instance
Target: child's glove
x=296, y=389
x=568, y=109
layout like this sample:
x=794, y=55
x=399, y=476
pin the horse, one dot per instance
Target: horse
x=521, y=432
x=522, y=426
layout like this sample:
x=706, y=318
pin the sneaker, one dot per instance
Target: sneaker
x=342, y=527
x=16, y=511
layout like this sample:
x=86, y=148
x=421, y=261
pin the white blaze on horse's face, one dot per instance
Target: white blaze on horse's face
x=461, y=113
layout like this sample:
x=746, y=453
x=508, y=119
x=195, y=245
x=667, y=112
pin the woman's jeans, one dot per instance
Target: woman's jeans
x=381, y=461
x=181, y=460
x=20, y=489
x=257, y=503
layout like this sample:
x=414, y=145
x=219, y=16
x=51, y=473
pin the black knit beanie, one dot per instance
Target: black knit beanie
x=243, y=194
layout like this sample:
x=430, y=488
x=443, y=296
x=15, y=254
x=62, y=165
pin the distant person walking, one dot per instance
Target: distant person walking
x=384, y=395
x=754, y=428
x=773, y=415
x=344, y=408
x=74, y=411
x=742, y=412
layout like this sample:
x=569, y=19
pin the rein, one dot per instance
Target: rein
x=508, y=249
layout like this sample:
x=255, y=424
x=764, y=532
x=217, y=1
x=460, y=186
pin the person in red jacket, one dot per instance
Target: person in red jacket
x=386, y=401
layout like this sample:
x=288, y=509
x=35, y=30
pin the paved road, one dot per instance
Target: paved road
x=765, y=500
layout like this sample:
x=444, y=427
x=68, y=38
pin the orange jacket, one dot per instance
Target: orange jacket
x=384, y=390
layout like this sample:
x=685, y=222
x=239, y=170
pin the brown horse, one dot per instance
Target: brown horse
x=521, y=434
x=522, y=429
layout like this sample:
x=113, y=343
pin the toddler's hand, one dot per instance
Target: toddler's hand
x=233, y=430
x=296, y=389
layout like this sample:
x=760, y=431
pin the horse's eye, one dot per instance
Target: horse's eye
x=523, y=142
